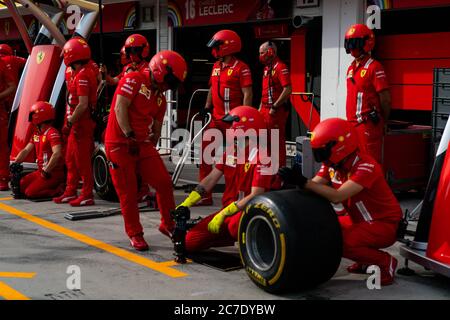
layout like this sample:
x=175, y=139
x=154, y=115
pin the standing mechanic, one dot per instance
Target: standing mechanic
x=230, y=86
x=7, y=89
x=133, y=130
x=244, y=179
x=16, y=63
x=276, y=91
x=368, y=96
x=48, y=180
x=81, y=81
x=356, y=180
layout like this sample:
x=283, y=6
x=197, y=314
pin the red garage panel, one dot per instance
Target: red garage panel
x=414, y=46
x=298, y=79
x=412, y=97
x=397, y=4
x=413, y=71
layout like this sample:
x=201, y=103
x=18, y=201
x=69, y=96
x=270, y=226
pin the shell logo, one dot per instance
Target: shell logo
x=164, y=61
x=81, y=41
x=341, y=138
x=244, y=119
x=227, y=42
x=40, y=57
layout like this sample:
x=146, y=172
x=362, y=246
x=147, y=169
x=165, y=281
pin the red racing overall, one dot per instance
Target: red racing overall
x=6, y=77
x=364, y=83
x=275, y=78
x=226, y=83
x=374, y=212
x=34, y=185
x=146, y=105
x=239, y=180
x=80, y=143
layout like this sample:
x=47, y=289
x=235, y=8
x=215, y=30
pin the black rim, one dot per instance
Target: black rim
x=261, y=243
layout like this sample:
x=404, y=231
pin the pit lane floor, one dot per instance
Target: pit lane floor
x=38, y=249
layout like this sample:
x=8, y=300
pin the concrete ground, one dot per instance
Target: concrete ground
x=41, y=253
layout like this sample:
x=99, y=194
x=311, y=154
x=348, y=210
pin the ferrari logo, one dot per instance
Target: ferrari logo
x=351, y=31
x=273, y=73
x=332, y=174
x=247, y=167
x=230, y=72
x=159, y=101
x=40, y=57
x=363, y=73
x=43, y=139
x=131, y=40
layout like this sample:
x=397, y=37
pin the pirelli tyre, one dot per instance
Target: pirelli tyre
x=102, y=179
x=289, y=240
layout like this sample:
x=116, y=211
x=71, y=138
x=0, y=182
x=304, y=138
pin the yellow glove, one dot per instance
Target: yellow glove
x=215, y=224
x=191, y=200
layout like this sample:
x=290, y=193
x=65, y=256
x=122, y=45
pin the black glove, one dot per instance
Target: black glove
x=133, y=145
x=204, y=112
x=292, y=176
x=181, y=212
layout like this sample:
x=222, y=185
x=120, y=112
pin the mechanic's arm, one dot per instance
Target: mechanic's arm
x=320, y=180
x=385, y=101
x=241, y=204
x=346, y=191
x=54, y=159
x=23, y=154
x=121, y=110
x=10, y=89
x=80, y=109
x=204, y=187
x=248, y=96
x=285, y=94
x=208, y=104
x=156, y=131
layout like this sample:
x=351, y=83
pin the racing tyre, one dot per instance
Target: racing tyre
x=102, y=178
x=290, y=240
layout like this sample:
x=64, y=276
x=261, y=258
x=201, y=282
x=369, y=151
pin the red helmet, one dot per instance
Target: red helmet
x=40, y=112
x=5, y=50
x=168, y=69
x=359, y=36
x=245, y=118
x=333, y=140
x=76, y=49
x=224, y=43
x=124, y=60
x=137, y=44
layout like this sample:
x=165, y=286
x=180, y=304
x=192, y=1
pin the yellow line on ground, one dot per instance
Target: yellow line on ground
x=124, y=254
x=25, y=275
x=10, y=294
x=7, y=198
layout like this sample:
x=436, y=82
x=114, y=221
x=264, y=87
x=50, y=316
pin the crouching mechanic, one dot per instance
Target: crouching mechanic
x=48, y=180
x=358, y=183
x=245, y=178
x=133, y=130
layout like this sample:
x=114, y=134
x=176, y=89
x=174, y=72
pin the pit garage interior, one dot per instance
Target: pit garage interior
x=40, y=244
